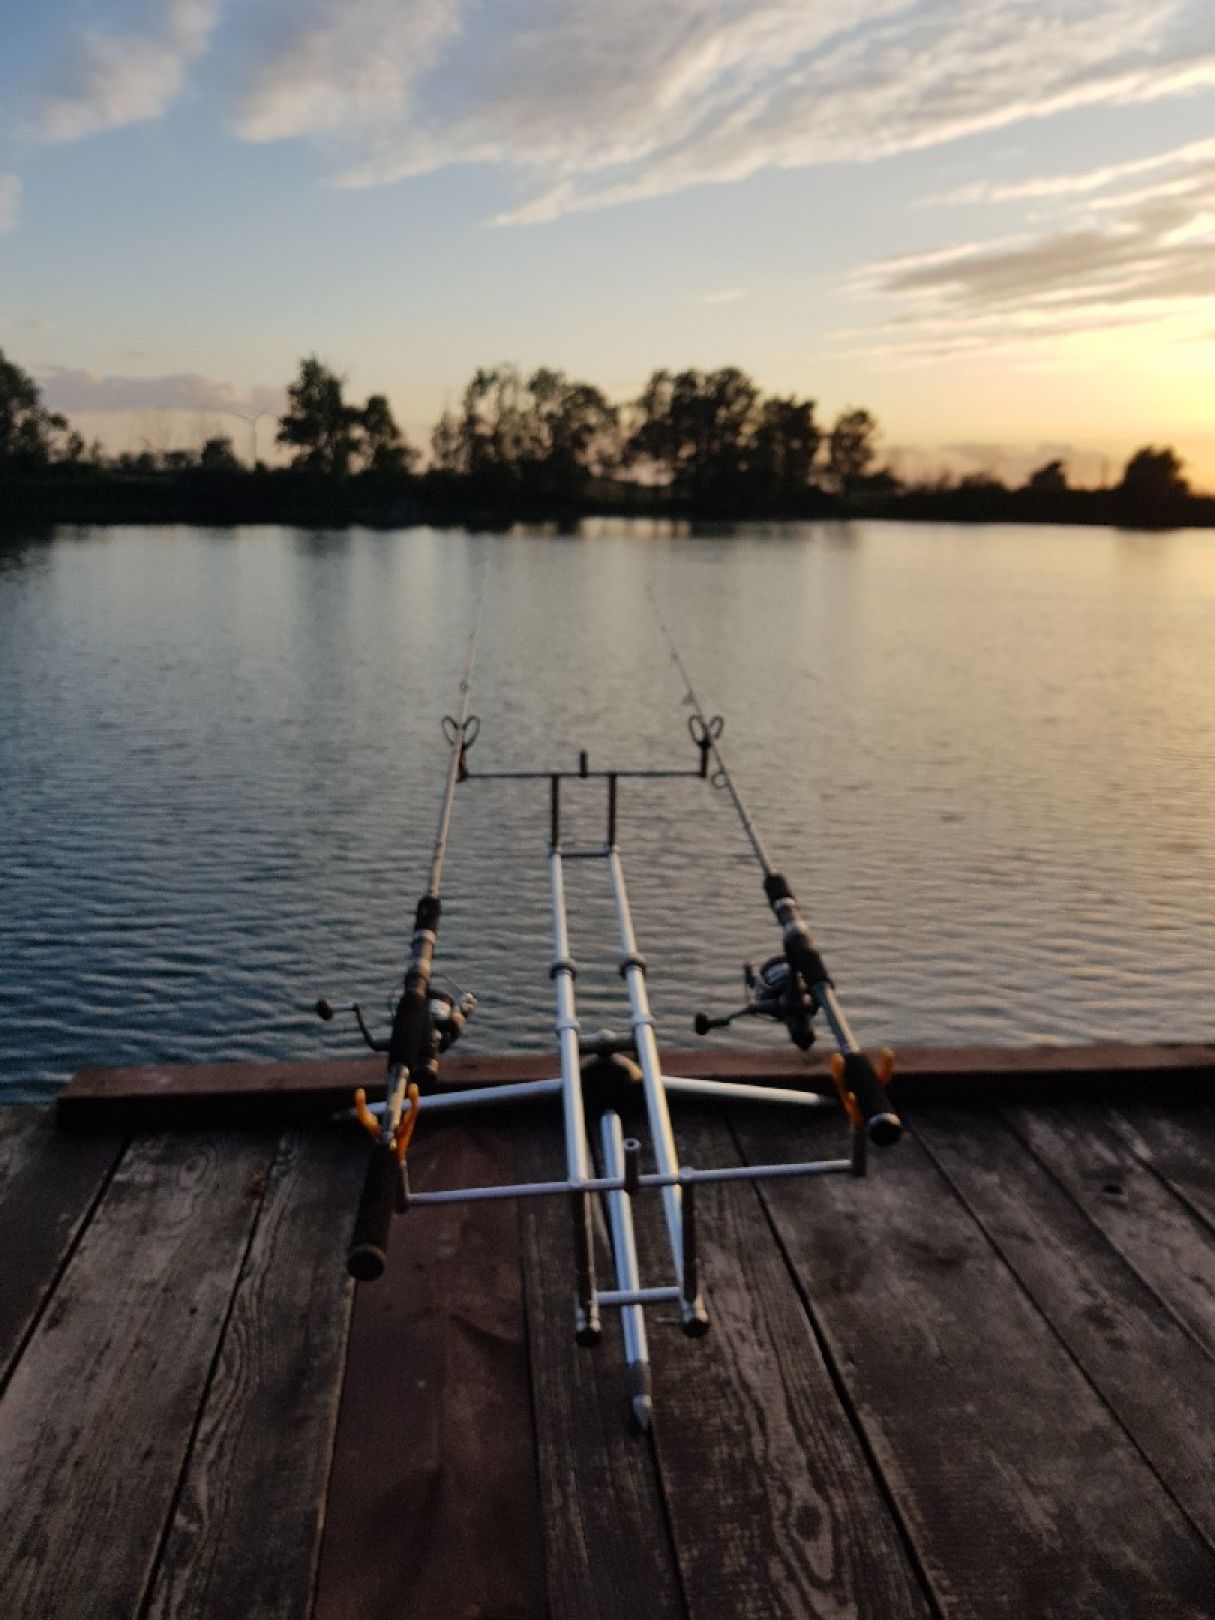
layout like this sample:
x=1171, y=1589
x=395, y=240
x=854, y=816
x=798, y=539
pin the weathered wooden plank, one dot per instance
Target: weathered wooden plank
x=1146, y=1367
x=265, y=1094
x=97, y=1419
x=1178, y=1143
x=774, y=1509
x=48, y=1186
x=1154, y=1230
x=1021, y=1493
x=607, y=1552
x=246, y=1533
x=432, y=1505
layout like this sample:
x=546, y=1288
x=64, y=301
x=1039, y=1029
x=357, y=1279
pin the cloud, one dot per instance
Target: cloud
x=70, y=390
x=351, y=65
x=116, y=78
x=1070, y=185
x=10, y=201
x=728, y=295
x=594, y=104
x=1139, y=256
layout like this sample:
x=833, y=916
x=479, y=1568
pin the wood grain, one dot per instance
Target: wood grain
x=1020, y=1491
x=1146, y=1367
x=1178, y=1143
x=1155, y=1231
x=48, y=1185
x=246, y=1533
x=97, y=1419
x=774, y=1509
x=432, y=1503
x=607, y=1552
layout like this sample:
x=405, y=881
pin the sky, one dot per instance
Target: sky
x=991, y=224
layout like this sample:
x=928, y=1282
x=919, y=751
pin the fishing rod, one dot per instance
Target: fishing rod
x=424, y=1024
x=795, y=985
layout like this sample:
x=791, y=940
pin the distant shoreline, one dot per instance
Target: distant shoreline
x=286, y=497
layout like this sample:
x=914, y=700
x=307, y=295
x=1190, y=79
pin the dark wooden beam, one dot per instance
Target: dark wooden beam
x=268, y=1094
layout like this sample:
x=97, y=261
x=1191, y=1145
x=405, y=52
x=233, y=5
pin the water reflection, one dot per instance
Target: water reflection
x=986, y=759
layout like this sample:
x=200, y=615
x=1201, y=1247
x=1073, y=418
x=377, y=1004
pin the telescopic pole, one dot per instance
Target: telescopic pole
x=413, y=1047
x=803, y=957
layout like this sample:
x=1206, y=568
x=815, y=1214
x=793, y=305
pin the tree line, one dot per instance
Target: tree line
x=697, y=443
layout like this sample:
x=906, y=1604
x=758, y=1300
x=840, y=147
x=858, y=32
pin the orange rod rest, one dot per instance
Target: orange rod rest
x=364, y=1115
x=405, y=1128
x=846, y=1097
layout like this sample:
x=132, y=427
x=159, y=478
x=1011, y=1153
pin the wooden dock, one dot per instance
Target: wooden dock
x=976, y=1385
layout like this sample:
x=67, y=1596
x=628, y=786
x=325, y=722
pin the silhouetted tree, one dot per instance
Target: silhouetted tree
x=541, y=435
x=319, y=422
x=496, y=434
x=575, y=430
x=384, y=448
x=1050, y=479
x=1155, y=474
x=695, y=429
x=217, y=456
x=1153, y=491
x=850, y=448
x=30, y=435
x=782, y=450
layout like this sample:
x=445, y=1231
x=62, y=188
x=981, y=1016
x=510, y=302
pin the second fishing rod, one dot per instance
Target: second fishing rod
x=796, y=986
x=421, y=1028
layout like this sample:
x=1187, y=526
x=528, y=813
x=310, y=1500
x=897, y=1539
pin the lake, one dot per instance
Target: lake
x=985, y=758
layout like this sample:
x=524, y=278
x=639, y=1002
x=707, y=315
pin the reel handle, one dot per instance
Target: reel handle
x=702, y=1023
x=368, y=1251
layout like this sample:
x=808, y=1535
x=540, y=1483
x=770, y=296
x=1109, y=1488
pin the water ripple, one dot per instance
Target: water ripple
x=986, y=760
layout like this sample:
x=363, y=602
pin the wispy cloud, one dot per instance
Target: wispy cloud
x=594, y=104
x=112, y=78
x=1135, y=256
x=727, y=295
x=350, y=65
x=1077, y=184
x=66, y=389
x=10, y=201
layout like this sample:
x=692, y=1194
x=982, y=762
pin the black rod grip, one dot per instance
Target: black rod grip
x=881, y=1121
x=372, y=1224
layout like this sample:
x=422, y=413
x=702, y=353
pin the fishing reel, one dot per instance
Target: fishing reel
x=449, y=1012
x=776, y=991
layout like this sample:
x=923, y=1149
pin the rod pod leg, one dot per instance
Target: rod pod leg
x=628, y=1277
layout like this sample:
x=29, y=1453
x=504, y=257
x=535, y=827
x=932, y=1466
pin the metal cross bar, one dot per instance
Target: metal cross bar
x=686, y=1177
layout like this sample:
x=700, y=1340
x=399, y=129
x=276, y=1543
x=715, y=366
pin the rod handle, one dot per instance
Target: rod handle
x=373, y=1223
x=881, y=1121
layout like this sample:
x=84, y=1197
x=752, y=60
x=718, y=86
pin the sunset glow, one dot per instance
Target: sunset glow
x=991, y=224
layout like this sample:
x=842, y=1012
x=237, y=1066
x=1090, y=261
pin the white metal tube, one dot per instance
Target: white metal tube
x=730, y=1091
x=607, y=1184
x=628, y=1280
x=576, y=1154
x=642, y=1022
x=441, y=1102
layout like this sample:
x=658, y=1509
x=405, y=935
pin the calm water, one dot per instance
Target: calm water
x=985, y=758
